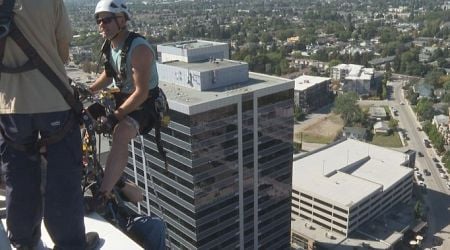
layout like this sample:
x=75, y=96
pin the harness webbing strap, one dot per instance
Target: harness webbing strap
x=35, y=61
x=43, y=67
x=159, y=145
x=34, y=147
x=120, y=76
x=123, y=54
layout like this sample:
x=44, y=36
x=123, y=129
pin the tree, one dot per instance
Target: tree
x=333, y=63
x=298, y=113
x=412, y=96
x=393, y=124
x=433, y=77
x=346, y=106
x=266, y=38
x=418, y=210
x=435, y=136
x=424, y=109
x=446, y=159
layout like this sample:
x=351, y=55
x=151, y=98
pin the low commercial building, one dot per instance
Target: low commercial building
x=343, y=185
x=312, y=92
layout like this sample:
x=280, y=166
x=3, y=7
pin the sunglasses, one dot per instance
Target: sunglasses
x=106, y=20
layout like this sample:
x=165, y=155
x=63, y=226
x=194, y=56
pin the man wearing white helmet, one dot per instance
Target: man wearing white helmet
x=137, y=79
x=134, y=72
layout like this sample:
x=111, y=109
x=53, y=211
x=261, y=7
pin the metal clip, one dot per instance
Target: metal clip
x=4, y=29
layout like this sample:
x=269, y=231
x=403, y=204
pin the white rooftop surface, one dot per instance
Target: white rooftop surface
x=377, y=111
x=382, y=170
x=194, y=44
x=204, y=66
x=441, y=119
x=111, y=238
x=303, y=82
x=191, y=101
x=188, y=100
x=353, y=69
x=356, y=72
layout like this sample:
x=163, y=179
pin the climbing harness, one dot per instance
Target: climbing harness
x=9, y=29
x=161, y=106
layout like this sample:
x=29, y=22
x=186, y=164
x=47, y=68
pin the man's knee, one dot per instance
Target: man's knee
x=124, y=132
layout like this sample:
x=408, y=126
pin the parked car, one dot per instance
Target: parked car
x=435, y=160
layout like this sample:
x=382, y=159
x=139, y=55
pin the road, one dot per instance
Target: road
x=437, y=196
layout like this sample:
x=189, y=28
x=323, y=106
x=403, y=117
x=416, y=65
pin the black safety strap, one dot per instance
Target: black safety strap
x=34, y=147
x=36, y=60
x=120, y=76
x=159, y=144
x=8, y=28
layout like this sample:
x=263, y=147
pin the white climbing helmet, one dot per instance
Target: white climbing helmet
x=113, y=6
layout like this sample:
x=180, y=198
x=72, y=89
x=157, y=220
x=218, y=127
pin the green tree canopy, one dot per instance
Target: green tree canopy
x=424, y=109
x=346, y=106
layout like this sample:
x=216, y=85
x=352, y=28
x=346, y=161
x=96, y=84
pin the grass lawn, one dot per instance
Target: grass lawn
x=313, y=138
x=392, y=141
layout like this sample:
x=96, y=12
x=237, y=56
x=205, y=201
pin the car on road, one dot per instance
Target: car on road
x=402, y=103
x=420, y=154
x=426, y=172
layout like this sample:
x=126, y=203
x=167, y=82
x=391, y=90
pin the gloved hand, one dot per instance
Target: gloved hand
x=107, y=124
x=82, y=91
x=96, y=203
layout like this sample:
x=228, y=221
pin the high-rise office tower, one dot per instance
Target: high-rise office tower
x=229, y=148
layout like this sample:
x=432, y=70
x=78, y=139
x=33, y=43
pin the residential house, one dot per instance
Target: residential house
x=442, y=124
x=381, y=127
x=377, y=113
x=355, y=133
x=426, y=53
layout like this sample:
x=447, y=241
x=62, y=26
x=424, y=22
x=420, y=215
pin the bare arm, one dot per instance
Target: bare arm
x=101, y=82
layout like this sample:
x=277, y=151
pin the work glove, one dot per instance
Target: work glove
x=107, y=124
x=96, y=203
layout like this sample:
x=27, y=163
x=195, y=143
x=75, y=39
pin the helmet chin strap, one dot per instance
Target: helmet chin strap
x=118, y=32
